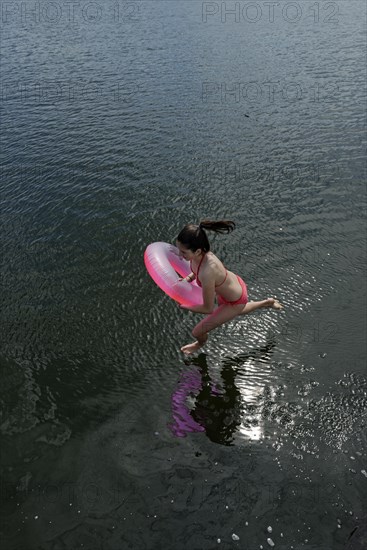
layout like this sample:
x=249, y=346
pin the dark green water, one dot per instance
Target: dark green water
x=121, y=122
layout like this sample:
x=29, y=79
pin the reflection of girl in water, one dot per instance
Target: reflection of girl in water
x=217, y=282
x=218, y=412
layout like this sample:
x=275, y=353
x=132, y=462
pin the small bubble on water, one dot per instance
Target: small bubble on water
x=218, y=541
x=235, y=537
x=364, y=473
x=270, y=542
x=270, y=529
x=35, y=517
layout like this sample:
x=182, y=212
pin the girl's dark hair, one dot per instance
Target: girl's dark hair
x=194, y=236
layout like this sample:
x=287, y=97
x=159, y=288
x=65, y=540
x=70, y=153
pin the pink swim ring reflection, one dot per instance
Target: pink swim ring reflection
x=163, y=263
x=182, y=422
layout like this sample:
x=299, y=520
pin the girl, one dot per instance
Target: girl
x=215, y=280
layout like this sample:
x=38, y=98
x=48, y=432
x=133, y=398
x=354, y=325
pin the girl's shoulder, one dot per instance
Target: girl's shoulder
x=213, y=263
x=212, y=259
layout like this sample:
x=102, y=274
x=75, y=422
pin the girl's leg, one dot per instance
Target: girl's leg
x=252, y=306
x=220, y=315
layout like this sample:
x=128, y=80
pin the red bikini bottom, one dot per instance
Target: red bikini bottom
x=243, y=298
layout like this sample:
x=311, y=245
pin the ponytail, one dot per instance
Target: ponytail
x=221, y=226
x=194, y=236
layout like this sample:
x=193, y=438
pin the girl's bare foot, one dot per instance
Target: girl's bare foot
x=191, y=348
x=273, y=303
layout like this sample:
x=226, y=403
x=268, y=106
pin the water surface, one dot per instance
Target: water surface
x=122, y=122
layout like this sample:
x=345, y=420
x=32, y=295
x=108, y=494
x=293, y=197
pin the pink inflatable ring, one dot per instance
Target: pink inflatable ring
x=163, y=262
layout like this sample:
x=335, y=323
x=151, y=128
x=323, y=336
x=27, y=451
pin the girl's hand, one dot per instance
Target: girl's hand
x=182, y=306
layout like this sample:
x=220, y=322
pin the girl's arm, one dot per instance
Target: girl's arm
x=208, y=286
x=189, y=278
